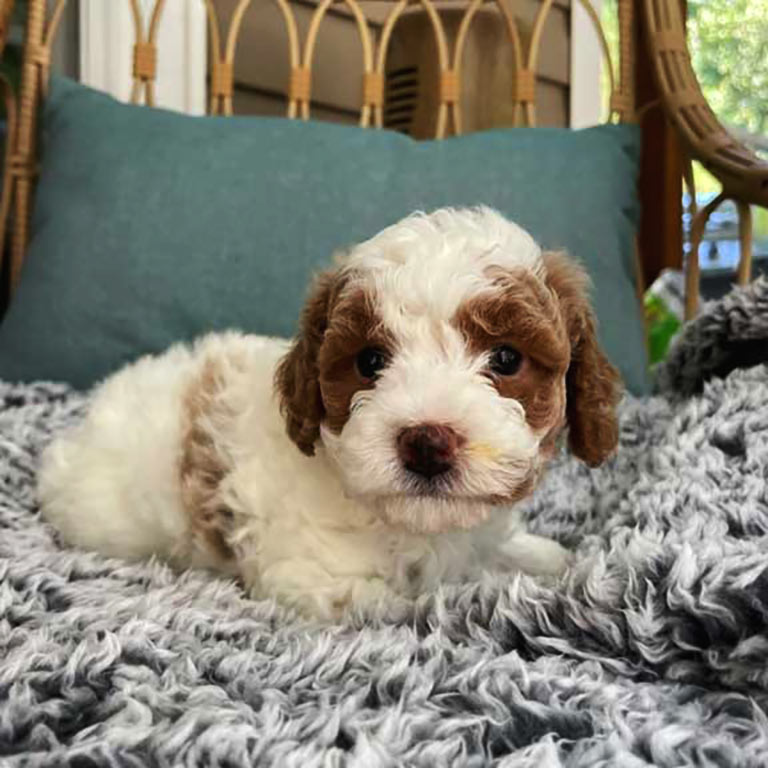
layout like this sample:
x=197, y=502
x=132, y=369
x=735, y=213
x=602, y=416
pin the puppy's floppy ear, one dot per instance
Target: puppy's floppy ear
x=297, y=377
x=593, y=385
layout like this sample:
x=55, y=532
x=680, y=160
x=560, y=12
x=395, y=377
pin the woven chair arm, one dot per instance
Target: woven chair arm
x=742, y=173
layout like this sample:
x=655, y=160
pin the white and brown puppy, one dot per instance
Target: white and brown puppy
x=432, y=374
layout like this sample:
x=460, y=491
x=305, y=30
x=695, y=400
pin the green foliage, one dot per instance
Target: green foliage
x=728, y=40
x=729, y=44
x=662, y=326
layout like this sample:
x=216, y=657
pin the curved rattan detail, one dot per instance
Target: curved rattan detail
x=620, y=103
x=214, y=45
x=627, y=107
x=303, y=93
x=524, y=76
x=616, y=103
x=294, y=50
x=742, y=174
x=145, y=52
x=11, y=123
x=223, y=61
x=461, y=39
x=23, y=156
x=223, y=84
x=222, y=65
x=6, y=13
x=381, y=55
x=443, y=59
x=50, y=36
x=698, y=223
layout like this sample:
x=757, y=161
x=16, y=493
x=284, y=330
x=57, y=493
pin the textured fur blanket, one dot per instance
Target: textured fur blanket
x=654, y=651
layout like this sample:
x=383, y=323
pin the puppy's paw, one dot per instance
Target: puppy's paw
x=360, y=599
x=557, y=561
x=318, y=595
x=536, y=556
x=374, y=597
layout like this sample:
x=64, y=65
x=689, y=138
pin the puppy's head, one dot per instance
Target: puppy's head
x=439, y=364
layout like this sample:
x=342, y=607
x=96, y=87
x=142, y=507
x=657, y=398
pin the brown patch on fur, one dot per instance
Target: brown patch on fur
x=525, y=315
x=552, y=324
x=353, y=327
x=592, y=383
x=318, y=377
x=203, y=466
x=297, y=379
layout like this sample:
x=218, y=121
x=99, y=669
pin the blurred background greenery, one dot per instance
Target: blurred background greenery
x=729, y=46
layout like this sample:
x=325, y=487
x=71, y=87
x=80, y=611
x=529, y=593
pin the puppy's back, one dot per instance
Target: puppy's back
x=111, y=482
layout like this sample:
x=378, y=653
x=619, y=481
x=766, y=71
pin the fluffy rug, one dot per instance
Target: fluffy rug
x=653, y=651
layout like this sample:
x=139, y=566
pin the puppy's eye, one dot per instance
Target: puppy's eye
x=370, y=362
x=505, y=361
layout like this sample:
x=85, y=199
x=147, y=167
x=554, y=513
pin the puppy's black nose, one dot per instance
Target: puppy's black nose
x=428, y=449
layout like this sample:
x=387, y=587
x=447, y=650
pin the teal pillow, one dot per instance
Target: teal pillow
x=150, y=227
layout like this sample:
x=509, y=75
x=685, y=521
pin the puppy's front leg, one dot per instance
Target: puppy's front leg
x=315, y=592
x=534, y=555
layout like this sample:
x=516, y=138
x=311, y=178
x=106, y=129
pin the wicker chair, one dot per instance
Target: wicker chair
x=744, y=177
x=741, y=173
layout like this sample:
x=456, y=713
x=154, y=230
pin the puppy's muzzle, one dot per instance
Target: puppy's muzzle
x=428, y=450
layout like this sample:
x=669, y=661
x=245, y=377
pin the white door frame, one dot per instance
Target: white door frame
x=586, y=67
x=106, y=51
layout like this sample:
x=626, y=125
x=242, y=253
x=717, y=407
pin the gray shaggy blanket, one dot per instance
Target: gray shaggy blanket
x=652, y=652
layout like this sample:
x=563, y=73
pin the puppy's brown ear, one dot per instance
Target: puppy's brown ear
x=593, y=385
x=297, y=377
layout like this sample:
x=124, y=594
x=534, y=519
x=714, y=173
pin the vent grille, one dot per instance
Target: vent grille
x=401, y=98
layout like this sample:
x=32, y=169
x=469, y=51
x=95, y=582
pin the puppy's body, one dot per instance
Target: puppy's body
x=415, y=438
x=115, y=484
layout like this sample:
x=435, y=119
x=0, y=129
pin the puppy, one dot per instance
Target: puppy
x=426, y=389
